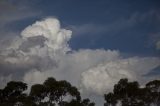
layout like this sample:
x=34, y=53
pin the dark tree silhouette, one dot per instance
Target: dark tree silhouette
x=38, y=93
x=50, y=93
x=57, y=93
x=85, y=102
x=13, y=93
x=62, y=93
x=130, y=94
x=154, y=92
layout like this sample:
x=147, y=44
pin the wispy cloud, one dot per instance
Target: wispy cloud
x=130, y=23
x=113, y=27
x=11, y=12
x=158, y=45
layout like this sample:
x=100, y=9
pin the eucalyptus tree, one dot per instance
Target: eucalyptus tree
x=130, y=94
x=13, y=93
x=154, y=92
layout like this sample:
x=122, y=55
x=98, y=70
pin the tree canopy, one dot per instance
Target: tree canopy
x=62, y=93
x=50, y=93
x=131, y=94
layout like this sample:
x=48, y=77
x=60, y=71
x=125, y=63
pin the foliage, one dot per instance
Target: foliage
x=130, y=94
x=62, y=93
x=50, y=93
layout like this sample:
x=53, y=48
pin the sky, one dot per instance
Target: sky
x=90, y=43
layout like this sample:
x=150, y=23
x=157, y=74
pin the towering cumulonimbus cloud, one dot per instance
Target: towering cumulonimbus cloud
x=38, y=47
x=56, y=38
x=42, y=51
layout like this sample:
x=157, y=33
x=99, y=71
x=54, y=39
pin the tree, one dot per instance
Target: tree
x=58, y=90
x=50, y=93
x=13, y=93
x=154, y=92
x=38, y=93
x=110, y=99
x=57, y=93
x=127, y=93
x=84, y=102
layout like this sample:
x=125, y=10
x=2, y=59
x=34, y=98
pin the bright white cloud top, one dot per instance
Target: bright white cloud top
x=42, y=51
x=56, y=38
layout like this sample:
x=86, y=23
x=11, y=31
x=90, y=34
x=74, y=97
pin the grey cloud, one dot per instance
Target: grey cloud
x=158, y=45
x=31, y=42
x=42, y=51
x=11, y=12
x=155, y=40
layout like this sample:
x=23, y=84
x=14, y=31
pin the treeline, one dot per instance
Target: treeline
x=131, y=94
x=50, y=93
x=62, y=93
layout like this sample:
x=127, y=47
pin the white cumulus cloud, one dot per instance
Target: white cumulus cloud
x=102, y=78
x=41, y=51
x=56, y=38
